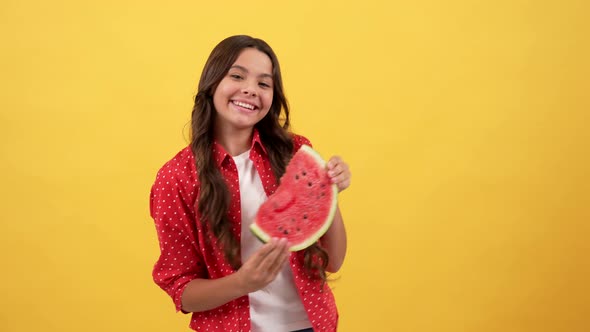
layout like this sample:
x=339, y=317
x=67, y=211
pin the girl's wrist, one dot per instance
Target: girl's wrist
x=238, y=284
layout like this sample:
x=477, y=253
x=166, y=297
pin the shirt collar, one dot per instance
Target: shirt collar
x=220, y=154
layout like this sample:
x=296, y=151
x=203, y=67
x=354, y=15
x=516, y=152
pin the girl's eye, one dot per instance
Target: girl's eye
x=235, y=76
x=264, y=85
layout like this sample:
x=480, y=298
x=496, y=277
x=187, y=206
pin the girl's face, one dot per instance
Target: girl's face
x=244, y=95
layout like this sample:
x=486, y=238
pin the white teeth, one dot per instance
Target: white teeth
x=248, y=106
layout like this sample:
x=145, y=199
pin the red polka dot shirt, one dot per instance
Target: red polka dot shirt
x=188, y=250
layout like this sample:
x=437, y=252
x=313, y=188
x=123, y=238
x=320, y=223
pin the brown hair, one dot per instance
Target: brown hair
x=214, y=199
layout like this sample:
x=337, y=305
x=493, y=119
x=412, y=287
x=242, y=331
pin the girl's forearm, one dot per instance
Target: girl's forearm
x=207, y=294
x=334, y=242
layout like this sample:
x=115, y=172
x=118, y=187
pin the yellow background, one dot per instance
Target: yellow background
x=464, y=123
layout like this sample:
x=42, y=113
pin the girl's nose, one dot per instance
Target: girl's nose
x=249, y=90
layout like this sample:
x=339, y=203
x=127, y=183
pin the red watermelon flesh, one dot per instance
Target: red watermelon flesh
x=302, y=208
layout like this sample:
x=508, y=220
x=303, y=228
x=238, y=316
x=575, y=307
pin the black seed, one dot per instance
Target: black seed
x=309, y=184
x=285, y=232
x=296, y=177
x=280, y=228
x=304, y=173
x=305, y=216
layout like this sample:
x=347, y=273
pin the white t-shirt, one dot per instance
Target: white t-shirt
x=277, y=307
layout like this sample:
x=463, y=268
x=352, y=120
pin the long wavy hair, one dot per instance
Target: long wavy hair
x=214, y=200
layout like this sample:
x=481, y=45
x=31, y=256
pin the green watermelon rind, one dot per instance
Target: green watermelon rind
x=264, y=237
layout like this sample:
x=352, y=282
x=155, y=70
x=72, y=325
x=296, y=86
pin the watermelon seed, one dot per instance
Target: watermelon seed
x=304, y=173
x=309, y=184
x=296, y=177
x=285, y=232
x=305, y=216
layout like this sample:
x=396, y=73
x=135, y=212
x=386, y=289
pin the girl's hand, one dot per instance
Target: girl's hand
x=264, y=265
x=339, y=172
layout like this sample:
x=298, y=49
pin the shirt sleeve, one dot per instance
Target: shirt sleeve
x=179, y=261
x=298, y=141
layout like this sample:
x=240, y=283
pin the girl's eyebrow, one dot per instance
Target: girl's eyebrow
x=246, y=70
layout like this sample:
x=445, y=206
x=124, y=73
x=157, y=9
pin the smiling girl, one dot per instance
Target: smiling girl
x=204, y=199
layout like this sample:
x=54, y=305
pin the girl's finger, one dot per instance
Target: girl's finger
x=336, y=170
x=343, y=176
x=280, y=262
x=333, y=162
x=263, y=252
x=339, y=169
x=342, y=181
x=268, y=262
x=343, y=185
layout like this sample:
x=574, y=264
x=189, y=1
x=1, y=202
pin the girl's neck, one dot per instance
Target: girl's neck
x=235, y=142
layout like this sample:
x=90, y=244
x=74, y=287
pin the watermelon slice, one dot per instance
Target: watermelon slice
x=303, y=207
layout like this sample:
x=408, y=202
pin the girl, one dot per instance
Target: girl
x=204, y=199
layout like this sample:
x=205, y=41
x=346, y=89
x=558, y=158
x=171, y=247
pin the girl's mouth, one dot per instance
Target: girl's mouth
x=245, y=105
